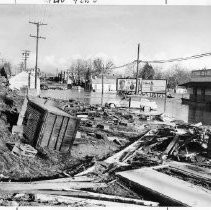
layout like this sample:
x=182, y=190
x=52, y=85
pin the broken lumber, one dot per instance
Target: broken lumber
x=191, y=170
x=97, y=196
x=78, y=201
x=128, y=150
x=17, y=186
x=171, y=146
x=69, y=179
x=168, y=188
x=113, y=132
x=117, y=156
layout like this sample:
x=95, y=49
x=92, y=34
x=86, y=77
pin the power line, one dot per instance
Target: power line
x=178, y=59
x=127, y=64
x=165, y=61
x=38, y=24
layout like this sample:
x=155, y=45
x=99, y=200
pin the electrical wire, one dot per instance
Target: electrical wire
x=166, y=61
x=178, y=59
x=127, y=64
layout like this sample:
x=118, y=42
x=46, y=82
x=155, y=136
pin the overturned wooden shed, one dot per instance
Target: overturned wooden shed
x=48, y=126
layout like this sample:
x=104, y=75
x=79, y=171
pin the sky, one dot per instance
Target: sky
x=110, y=32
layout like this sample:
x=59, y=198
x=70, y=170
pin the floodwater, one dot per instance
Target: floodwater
x=172, y=107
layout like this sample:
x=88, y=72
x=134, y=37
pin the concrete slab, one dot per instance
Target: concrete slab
x=168, y=187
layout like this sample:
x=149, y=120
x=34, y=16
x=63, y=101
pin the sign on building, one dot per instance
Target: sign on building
x=153, y=86
x=128, y=85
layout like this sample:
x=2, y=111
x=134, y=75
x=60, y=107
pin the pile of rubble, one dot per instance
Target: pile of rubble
x=109, y=141
x=166, y=140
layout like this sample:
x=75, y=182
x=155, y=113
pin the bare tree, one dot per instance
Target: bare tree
x=77, y=68
x=102, y=67
x=130, y=70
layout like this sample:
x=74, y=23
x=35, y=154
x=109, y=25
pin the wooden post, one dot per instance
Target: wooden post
x=137, y=70
x=129, y=102
x=102, y=84
x=165, y=98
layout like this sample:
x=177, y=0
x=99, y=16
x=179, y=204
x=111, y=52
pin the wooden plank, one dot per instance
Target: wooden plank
x=192, y=171
x=16, y=186
x=69, y=179
x=94, y=196
x=100, y=196
x=52, y=128
x=63, y=137
x=47, y=131
x=59, y=131
x=172, y=144
x=70, y=134
x=168, y=187
x=80, y=201
x=55, y=132
x=62, y=133
x=42, y=129
x=133, y=147
x=116, y=158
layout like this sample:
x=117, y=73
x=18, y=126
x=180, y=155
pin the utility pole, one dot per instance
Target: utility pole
x=25, y=54
x=38, y=24
x=102, y=83
x=137, y=70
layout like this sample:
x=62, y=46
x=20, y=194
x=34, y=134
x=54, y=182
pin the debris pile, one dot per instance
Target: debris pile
x=108, y=141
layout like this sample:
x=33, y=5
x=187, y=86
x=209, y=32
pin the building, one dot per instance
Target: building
x=199, y=86
x=109, y=85
x=181, y=90
x=23, y=80
x=47, y=126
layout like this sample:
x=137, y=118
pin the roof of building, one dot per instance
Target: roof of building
x=196, y=70
x=196, y=84
x=49, y=108
x=105, y=81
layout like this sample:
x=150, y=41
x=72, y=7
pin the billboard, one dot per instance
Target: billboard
x=153, y=86
x=128, y=85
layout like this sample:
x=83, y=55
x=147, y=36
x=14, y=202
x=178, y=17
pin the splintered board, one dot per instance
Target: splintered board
x=168, y=187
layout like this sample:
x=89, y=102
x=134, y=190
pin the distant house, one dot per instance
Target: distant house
x=109, y=85
x=21, y=81
x=199, y=87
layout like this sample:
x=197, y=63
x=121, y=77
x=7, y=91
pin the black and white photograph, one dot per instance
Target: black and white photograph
x=105, y=104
